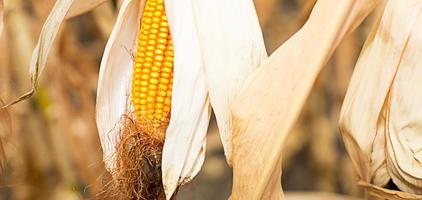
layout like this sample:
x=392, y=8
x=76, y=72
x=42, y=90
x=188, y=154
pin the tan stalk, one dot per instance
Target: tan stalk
x=288, y=74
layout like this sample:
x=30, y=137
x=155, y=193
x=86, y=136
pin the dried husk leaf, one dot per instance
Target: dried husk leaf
x=113, y=90
x=381, y=114
x=232, y=47
x=184, y=146
x=271, y=101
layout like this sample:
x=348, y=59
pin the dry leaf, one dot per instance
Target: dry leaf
x=47, y=37
x=380, y=118
x=232, y=47
x=271, y=101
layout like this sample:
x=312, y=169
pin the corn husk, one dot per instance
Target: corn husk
x=268, y=105
x=380, y=119
x=232, y=47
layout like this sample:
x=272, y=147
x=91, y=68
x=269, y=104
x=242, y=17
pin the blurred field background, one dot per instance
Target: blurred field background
x=50, y=141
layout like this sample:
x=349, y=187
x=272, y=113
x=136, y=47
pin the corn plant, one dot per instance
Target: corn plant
x=167, y=63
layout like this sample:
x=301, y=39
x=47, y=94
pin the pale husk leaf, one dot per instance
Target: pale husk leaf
x=232, y=47
x=404, y=122
x=270, y=103
x=380, y=114
x=184, y=147
x=114, y=80
x=82, y=6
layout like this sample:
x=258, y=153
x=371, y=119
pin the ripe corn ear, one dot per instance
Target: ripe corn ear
x=152, y=79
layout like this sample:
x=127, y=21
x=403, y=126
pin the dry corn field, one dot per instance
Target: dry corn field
x=210, y=99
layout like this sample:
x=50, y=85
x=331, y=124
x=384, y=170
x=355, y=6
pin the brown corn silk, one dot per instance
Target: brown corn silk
x=264, y=118
x=381, y=117
x=137, y=174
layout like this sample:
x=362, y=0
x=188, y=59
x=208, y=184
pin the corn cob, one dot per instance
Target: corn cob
x=153, y=71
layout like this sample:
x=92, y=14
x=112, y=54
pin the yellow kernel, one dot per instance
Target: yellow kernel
x=150, y=116
x=154, y=31
x=169, y=59
x=155, y=25
x=155, y=75
x=161, y=46
x=152, y=93
x=159, y=58
x=137, y=82
x=156, y=20
x=160, y=99
x=164, y=81
x=154, y=81
x=162, y=87
x=136, y=89
x=155, y=68
x=151, y=48
x=152, y=87
x=149, y=54
x=147, y=64
x=164, y=24
x=168, y=66
x=159, y=105
x=169, y=53
x=143, y=83
x=162, y=94
x=149, y=59
x=143, y=89
x=142, y=95
x=158, y=64
x=159, y=51
x=150, y=99
x=162, y=35
x=165, y=75
x=167, y=101
x=145, y=77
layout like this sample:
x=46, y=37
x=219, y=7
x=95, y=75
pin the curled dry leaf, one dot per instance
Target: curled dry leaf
x=381, y=116
x=47, y=36
x=268, y=105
